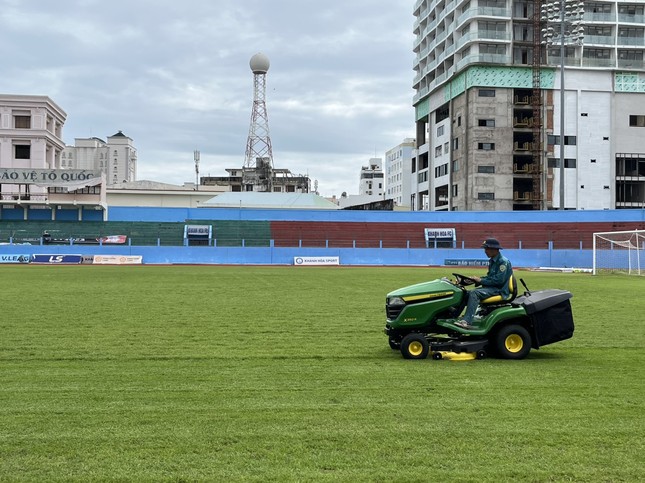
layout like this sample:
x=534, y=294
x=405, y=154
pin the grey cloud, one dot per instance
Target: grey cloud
x=174, y=76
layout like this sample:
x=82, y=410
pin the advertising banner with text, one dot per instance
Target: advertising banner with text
x=118, y=260
x=58, y=259
x=24, y=258
x=75, y=178
x=316, y=260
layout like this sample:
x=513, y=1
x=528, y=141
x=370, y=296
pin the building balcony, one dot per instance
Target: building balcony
x=590, y=62
x=483, y=59
x=473, y=13
x=599, y=17
x=524, y=168
x=524, y=146
x=522, y=195
x=631, y=18
x=630, y=64
x=630, y=41
x=554, y=60
x=523, y=122
x=598, y=40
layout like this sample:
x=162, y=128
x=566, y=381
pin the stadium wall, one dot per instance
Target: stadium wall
x=272, y=255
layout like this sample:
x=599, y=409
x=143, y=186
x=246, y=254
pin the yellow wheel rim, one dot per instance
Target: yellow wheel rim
x=514, y=343
x=415, y=348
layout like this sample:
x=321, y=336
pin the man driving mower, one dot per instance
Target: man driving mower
x=494, y=283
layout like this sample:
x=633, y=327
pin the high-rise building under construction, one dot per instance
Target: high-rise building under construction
x=500, y=126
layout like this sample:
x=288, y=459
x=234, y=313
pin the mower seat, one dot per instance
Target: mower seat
x=499, y=299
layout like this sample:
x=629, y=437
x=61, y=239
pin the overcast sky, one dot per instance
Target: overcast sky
x=174, y=76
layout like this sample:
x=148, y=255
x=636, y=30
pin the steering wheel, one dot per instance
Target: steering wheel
x=463, y=280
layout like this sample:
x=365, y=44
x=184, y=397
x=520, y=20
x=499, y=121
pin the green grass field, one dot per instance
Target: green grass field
x=284, y=374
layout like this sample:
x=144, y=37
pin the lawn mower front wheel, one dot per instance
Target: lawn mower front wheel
x=414, y=346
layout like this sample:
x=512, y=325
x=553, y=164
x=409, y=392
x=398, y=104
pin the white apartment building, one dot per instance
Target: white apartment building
x=486, y=142
x=116, y=158
x=398, y=163
x=371, y=187
x=371, y=179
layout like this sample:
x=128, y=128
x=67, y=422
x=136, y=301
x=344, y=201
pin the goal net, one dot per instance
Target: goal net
x=619, y=252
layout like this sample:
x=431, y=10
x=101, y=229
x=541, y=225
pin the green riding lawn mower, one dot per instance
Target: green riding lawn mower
x=421, y=320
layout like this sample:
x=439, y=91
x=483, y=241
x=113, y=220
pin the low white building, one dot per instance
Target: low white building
x=153, y=193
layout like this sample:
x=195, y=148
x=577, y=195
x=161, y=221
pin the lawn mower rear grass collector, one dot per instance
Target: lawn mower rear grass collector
x=421, y=320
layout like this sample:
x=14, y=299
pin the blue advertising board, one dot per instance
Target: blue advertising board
x=20, y=258
x=57, y=259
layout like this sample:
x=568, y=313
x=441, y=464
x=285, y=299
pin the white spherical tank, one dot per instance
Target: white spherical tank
x=259, y=63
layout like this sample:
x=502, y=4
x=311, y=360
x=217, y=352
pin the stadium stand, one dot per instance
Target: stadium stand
x=563, y=235
x=226, y=233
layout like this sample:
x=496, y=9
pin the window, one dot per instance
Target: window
x=630, y=32
x=555, y=140
x=522, y=32
x=485, y=26
x=486, y=92
x=458, y=121
x=22, y=122
x=455, y=166
x=455, y=190
x=446, y=148
x=486, y=146
x=442, y=113
x=437, y=151
x=486, y=122
x=494, y=49
x=636, y=121
x=492, y=3
x=485, y=196
x=598, y=7
x=555, y=163
x=440, y=131
x=485, y=169
x=630, y=9
x=441, y=170
x=630, y=55
x=422, y=176
x=602, y=31
x=455, y=144
x=596, y=53
x=22, y=151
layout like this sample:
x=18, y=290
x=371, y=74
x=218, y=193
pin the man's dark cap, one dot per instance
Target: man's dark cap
x=492, y=243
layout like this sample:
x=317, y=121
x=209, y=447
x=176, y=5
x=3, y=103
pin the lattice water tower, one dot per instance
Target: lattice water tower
x=258, y=164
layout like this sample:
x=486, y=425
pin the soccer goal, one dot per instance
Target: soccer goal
x=620, y=252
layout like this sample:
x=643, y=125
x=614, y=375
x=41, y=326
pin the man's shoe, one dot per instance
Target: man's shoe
x=464, y=325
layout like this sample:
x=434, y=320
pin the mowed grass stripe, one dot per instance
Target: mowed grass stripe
x=284, y=374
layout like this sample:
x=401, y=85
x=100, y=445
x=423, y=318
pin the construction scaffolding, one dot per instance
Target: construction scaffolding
x=537, y=104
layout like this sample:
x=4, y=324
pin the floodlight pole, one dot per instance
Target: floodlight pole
x=196, y=154
x=571, y=18
x=562, y=52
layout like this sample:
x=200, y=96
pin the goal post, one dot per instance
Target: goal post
x=619, y=252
